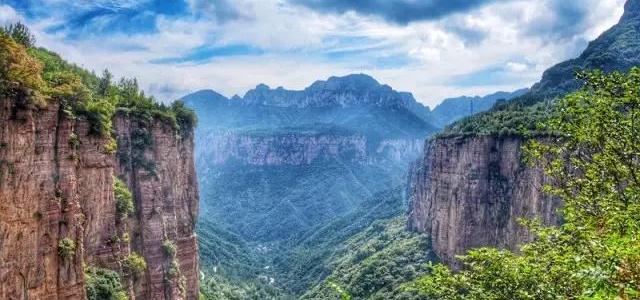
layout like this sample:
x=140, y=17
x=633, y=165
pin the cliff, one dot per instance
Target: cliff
x=298, y=148
x=470, y=192
x=58, y=210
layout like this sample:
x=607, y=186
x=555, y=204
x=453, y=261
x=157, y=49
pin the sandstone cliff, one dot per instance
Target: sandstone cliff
x=470, y=192
x=57, y=188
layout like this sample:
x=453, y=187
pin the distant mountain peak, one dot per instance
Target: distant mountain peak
x=617, y=49
x=349, y=82
x=262, y=86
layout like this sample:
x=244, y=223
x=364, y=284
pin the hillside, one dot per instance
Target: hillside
x=453, y=109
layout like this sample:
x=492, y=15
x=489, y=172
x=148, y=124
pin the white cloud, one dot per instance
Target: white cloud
x=8, y=15
x=296, y=39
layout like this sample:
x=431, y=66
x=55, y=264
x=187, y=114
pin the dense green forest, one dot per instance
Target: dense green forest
x=595, y=253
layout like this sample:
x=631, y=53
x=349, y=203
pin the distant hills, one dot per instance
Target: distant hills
x=453, y=109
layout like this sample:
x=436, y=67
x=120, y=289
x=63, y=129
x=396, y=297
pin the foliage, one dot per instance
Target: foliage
x=216, y=287
x=504, y=119
x=374, y=263
x=124, y=198
x=17, y=66
x=19, y=33
x=135, y=264
x=103, y=284
x=169, y=248
x=66, y=248
x=595, y=254
x=80, y=92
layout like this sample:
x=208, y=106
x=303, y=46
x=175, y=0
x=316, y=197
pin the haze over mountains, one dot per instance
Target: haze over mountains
x=280, y=170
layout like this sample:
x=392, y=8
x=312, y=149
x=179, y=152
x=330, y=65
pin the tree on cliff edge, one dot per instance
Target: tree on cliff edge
x=594, y=161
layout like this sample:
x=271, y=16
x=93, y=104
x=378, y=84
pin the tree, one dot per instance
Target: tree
x=105, y=83
x=594, y=161
x=21, y=34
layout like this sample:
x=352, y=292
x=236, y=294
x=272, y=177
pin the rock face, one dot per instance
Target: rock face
x=57, y=184
x=297, y=149
x=470, y=192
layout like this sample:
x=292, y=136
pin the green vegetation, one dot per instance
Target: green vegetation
x=66, y=248
x=595, y=254
x=19, y=33
x=375, y=263
x=504, y=119
x=103, y=284
x=216, y=287
x=82, y=94
x=124, y=199
x=17, y=67
x=169, y=248
x=135, y=264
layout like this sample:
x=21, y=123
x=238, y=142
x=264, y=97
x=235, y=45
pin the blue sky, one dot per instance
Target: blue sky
x=432, y=48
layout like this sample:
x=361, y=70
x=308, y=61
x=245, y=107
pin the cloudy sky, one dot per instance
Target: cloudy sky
x=432, y=48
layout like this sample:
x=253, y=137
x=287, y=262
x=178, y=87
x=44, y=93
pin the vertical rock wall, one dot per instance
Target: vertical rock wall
x=470, y=192
x=56, y=183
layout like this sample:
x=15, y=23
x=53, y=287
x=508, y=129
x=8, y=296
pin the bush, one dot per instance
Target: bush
x=135, y=264
x=169, y=248
x=18, y=67
x=66, y=248
x=124, y=198
x=103, y=284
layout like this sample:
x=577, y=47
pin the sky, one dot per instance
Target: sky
x=432, y=48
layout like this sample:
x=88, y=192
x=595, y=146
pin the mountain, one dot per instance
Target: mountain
x=278, y=164
x=453, y=109
x=614, y=50
x=472, y=178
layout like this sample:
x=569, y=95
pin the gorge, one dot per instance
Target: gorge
x=343, y=189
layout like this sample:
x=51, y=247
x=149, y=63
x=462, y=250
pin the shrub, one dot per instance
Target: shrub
x=18, y=67
x=74, y=141
x=111, y=146
x=169, y=248
x=103, y=284
x=66, y=248
x=135, y=264
x=174, y=270
x=124, y=198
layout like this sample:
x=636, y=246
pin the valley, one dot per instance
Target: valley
x=340, y=188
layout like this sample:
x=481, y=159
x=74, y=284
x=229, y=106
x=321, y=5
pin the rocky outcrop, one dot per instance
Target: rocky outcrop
x=470, y=192
x=57, y=189
x=297, y=149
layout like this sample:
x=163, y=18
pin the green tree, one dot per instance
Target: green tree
x=594, y=161
x=104, y=85
x=103, y=284
x=21, y=34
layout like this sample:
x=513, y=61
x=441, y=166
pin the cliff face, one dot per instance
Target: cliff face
x=470, y=192
x=158, y=165
x=57, y=187
x=296, y=149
